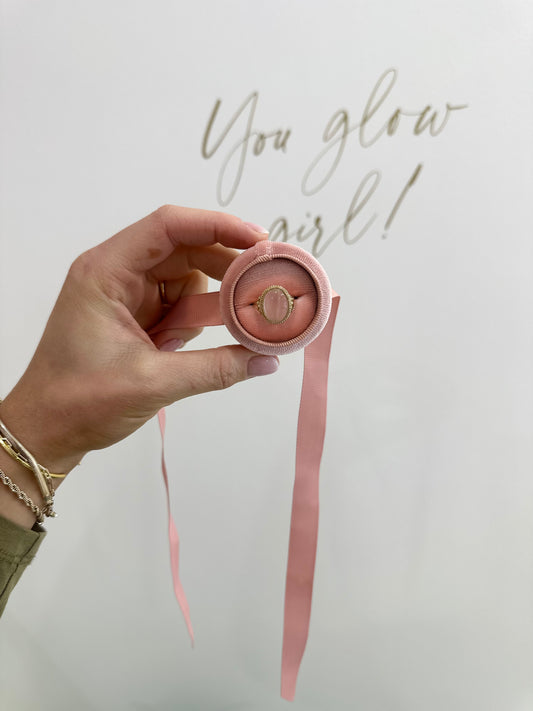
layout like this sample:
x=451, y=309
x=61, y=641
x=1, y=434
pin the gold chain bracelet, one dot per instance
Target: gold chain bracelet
x=39, y=514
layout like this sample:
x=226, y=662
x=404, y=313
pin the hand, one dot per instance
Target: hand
x=96, y=376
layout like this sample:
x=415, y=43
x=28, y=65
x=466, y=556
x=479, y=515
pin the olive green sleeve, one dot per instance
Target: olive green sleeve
x=18, y=547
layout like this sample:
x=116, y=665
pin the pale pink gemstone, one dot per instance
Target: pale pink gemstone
x=276, y=305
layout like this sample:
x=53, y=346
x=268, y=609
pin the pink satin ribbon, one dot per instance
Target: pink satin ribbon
x=173, y=537
x=203, y=310
x=305, y=504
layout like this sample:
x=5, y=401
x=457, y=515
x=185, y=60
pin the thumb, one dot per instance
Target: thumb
x=183, y=374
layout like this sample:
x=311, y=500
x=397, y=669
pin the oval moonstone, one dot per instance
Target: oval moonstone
x=277, y=305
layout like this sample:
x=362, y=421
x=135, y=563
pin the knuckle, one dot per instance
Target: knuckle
x=223, y=224
x=89, y=273
x=81, y=266
x=140, y=379
x=165, y=209
x=163, y=214
x=84, y=268
x=162, y=218
x=226, y=372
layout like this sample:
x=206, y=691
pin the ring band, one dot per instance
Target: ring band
x=163, y=294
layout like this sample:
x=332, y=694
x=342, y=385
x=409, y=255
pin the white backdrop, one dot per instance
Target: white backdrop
x=424, y=580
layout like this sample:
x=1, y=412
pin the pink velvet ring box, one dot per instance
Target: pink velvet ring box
x=269, y=265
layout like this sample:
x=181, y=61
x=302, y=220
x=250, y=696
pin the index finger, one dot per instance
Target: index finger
x=149, y=241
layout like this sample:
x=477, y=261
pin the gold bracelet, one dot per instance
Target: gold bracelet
x=39, y=513
x=18, y=456
x=42, y=475
x=6, y=444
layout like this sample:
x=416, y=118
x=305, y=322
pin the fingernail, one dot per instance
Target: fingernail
x=256, y=228
x=262, y=365
x=173, y=345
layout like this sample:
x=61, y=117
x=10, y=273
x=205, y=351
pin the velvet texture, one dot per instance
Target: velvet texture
x=267, y=264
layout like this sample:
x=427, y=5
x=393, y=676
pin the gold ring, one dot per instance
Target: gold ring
x=163, y=294
x=274, y=310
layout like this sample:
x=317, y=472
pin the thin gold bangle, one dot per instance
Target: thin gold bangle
x=18, y=458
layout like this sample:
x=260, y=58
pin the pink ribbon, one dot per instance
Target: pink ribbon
x=173, y=537
x=208, y=309
x=305, y=504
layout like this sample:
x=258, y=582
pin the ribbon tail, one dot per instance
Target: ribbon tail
x=305, y=505
x=173, y=538
x=189, y=312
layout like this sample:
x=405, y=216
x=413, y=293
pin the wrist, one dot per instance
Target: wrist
x=36, y=428
x=25, y=487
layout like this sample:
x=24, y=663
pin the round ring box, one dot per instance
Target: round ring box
x=275, y=298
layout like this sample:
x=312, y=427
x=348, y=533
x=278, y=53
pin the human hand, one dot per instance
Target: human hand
x=96, y=375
